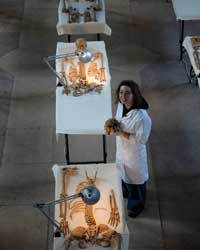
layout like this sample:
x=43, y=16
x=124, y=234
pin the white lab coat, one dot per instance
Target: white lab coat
x=131, y=155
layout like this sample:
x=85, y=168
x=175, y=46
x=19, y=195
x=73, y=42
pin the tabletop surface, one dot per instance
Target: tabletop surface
x=186, y=9
x=101, y=211
x=99, y=26
x=187, y=44
x=84, y=114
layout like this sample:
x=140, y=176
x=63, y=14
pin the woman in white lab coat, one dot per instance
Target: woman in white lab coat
x=131, y=139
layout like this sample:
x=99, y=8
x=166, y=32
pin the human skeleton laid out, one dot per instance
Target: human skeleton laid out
x=196, y=47
x=90, y=232
x=80, y=78
x=81, y=10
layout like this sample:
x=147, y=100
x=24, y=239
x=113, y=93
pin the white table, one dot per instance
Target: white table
x=98, y=27
x=85, y=114
x=187, y=44
x=185, y=10
x=101, y=210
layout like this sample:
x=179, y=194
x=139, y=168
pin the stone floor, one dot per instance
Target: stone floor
x=143, y=47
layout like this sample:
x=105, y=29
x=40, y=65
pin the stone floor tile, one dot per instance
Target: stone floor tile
x=164, y=76
x=32, y=82
x=118, y=7
x=8, y=41
x=45, y=4
x=181, y=188
x=42, y=19
x=131, y=54
x=12, y=8
x=172, y=162
x=40, y=193
x=39, y=39
x=19, y=60
x=9, y=22
x=181, y=108
x=22, y=228
x=32, y=112
x=28, y=146
x=2, y=143
x=180, y=217
x=4, y=112
x=6, y=84
x=152, y=196
x=183, y=241
x=58, y=152
x=145, y=230
x=119, y=74
x=19, y=176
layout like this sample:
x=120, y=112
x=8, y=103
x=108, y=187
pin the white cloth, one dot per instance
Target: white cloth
x=187, y=44
x=85, y=114
x=98, y=27
x=102, y=209
x=131, y=155
x=187, y=9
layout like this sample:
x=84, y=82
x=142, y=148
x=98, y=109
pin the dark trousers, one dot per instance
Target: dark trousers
x=136, y=195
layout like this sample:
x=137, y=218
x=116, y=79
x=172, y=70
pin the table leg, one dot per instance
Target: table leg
x=67, y=149
x=104, y=149
x=181, y=35
x=98, y=37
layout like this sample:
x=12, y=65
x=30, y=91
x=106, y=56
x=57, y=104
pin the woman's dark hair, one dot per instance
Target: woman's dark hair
x=138, y=99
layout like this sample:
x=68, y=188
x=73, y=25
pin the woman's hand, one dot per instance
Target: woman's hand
x=121, y=133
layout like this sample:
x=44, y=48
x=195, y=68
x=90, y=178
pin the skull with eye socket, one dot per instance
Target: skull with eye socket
x=111, y=126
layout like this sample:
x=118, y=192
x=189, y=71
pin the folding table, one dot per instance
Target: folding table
x=85, y=114
x=107, y=179
x=185, y=10
x=95, y=27
x=194, y=71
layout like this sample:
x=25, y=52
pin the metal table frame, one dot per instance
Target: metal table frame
x=181, y=37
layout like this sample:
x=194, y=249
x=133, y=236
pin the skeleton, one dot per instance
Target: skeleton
x=112, y=125
x=73, y=74
x=94, y=4
x=94, y=234
x=97, y=6
x=77, y=76
x=88, y=182
x=73, y=15
x=114, y=219
x=87, y=16
x=93, y=71
x=65, y=9
x=101, y=72
x=196, y=47
x=67, y=172
x=64, y=82
x=92, y=14
x=102, y=69
x=196, y=56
